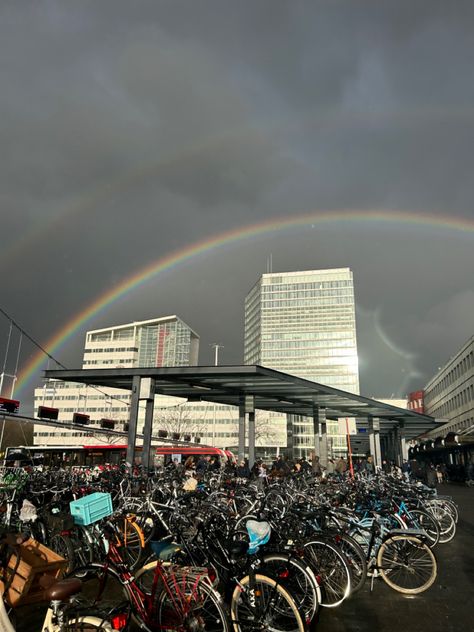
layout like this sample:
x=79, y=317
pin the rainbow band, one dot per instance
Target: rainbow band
x=217, y=241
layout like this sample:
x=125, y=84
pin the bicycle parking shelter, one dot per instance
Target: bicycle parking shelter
x=381, y=428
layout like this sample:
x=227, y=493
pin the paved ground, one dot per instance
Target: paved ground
x=446, y=607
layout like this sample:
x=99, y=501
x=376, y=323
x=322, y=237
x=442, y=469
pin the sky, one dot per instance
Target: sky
x=133, y=131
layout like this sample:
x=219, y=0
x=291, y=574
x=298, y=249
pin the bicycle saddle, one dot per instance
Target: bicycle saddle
x=63, y=589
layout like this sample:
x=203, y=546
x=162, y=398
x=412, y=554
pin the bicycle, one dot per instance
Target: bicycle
x=173, y=598
x=63, y=614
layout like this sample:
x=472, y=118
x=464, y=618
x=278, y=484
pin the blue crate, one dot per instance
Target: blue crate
x=91, y=508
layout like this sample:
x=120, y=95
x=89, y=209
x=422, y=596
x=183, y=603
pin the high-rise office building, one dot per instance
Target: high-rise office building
x=303, y=323
x=165, y=341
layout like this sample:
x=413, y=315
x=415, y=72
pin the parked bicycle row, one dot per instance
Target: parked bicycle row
x=231, y=552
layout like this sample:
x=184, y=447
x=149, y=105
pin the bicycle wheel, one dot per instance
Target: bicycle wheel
x=406, y=564
x=63, y=546
x=329, y=564
x=355, y=555
x=446, y=522
x=423, y=520
x=269, y=606
x=188, y=605
x=132, y=540
x=102, y=591
x=298, y=578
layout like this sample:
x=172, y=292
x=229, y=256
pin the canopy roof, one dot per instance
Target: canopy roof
x=271, y=390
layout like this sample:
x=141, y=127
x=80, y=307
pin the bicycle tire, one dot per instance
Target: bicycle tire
x=102, y=588
x=63, y=546
x=193, y=606
x=446, y=522
x=403, y=558
x=356, y=557
x=424, y=520
x=284, y=616
x=132, y=540
x=298, y=578
x=329, y=564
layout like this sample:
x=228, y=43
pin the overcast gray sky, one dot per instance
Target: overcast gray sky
x=133, y=129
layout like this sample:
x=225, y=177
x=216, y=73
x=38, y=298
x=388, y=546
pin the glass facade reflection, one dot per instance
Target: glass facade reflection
x=303, y=323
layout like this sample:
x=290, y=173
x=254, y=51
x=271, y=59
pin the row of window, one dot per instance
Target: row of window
x=115, y=362
x=305, y=282
x=461, y=368
x=298, y=294
x=338, y=346
x=305, y=303
x=462, y=398
x=308, y=335
x=110, y=350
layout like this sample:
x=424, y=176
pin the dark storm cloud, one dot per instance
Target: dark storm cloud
x=131, y=129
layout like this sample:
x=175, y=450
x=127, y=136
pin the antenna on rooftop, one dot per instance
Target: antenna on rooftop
x=270, y=264
x=216, y=346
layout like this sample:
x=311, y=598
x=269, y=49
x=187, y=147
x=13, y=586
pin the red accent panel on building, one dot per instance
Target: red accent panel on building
x=416, y=401
x=160, y=347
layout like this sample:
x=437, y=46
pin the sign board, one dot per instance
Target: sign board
x=347, y=424
x=176, y=457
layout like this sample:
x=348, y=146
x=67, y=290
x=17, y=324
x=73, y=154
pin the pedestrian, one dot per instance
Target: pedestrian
x=242, y=470
x=317, y=469
x=431, y=478
x=330, y=467
x=341, y=466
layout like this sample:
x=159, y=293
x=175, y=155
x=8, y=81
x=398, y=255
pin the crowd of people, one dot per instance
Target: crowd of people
x=195, y=468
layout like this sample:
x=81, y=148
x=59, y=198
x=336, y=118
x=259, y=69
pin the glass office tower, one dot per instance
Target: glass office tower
x=303, y=323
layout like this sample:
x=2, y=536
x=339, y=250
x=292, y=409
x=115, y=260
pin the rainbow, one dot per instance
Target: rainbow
x=191, y=251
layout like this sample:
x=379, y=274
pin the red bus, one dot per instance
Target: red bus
x=114, y=454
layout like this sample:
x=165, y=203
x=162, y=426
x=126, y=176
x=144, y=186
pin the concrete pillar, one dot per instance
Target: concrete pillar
x=250, y=411
x=404, y=447
x=374, y=440
x=148, y=395
x=132, y=427
x=320, y=434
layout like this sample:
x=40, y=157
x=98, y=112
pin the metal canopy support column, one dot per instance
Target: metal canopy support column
x=132, y=428
x=290, y=444
x=241, y=449
x=147, y=394
x=250, y=410
x=323, y=450
x=317, y=447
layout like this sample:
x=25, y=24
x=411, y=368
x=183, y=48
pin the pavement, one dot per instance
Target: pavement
x=446, y=607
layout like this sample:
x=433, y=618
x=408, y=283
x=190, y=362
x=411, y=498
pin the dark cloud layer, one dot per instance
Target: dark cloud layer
x=132, y=129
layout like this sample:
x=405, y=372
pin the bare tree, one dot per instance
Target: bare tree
x=177, y=419
x=265, y=431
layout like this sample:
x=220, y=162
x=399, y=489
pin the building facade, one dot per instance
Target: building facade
x=449, y=394
x=165, y=341
x=303, y=323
